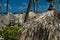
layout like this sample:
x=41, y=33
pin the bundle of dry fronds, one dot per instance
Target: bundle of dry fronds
x=45, y=27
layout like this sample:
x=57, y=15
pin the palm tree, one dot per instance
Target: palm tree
x=7, y=7
x=28, y=10
x=58, y=4
x=29, y=6
x=51, y=7
x=35, y=5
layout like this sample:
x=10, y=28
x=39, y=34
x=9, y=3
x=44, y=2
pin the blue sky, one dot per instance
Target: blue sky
x=21, y=5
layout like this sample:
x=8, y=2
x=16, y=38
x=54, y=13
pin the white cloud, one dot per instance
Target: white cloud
x=5, y=4
x=10, y=7
x=22, y=8
x=25, y=4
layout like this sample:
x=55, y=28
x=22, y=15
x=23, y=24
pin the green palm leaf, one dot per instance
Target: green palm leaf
x=59, y=2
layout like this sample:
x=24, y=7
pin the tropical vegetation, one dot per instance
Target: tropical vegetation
x=9, y=32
